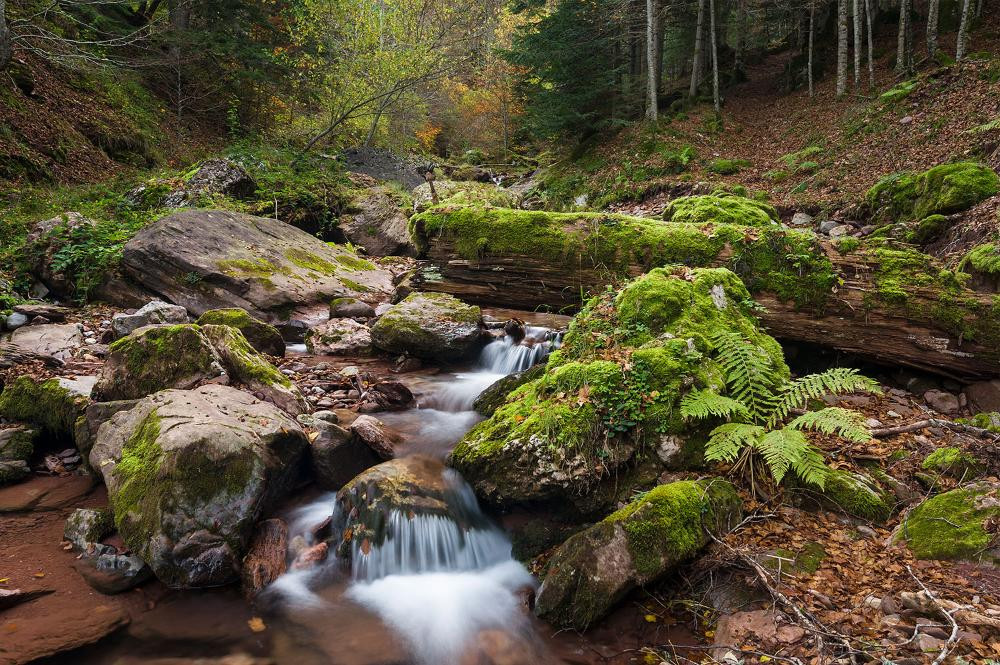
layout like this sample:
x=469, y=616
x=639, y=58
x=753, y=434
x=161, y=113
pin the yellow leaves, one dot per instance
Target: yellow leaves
x=313, y=436
x=650, y=618
x=38, y=575
x=257, y=625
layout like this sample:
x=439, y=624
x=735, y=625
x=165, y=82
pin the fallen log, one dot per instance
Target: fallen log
x=882, y=301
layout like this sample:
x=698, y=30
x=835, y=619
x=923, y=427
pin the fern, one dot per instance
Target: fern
x=702, y=404
x=780, y=448
x=726, y=442
x=749, y=373
x=837, y=381
x=811, y=467
x=833, y=420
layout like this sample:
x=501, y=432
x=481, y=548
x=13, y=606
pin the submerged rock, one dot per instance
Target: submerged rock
x=430, y=325
x=960, y=524
x=152, y=313
x=594, y=569
x=210, y=259
x=188, y=474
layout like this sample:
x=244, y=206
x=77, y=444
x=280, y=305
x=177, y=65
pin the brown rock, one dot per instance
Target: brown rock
x=311, y=557
x=11, y=597
x=74, y=627
x=376, y=435
x=265, y=560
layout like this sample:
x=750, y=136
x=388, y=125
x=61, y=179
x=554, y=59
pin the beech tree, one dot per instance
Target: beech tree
x=652, y=68
x=696, y=63
x=904, y=50
x=963, y=30
x=841, y=47
x=5, y=41
x=933, y=10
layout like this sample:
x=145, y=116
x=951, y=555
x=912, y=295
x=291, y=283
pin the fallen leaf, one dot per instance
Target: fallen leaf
x=651, y=618
x=39, y=575
x=257, y=625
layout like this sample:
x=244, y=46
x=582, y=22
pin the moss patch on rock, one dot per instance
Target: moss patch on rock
x=720, y=208
x=262, y=336
x=429, y=325
x=954, y=462
x=45, y=404
x=943, y=189
x=953, y=525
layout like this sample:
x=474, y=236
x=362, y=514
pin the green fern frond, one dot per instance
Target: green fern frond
x=781, y=448
x=811, y=467
x=834, y=420
x=835, y=381
x=703, y=404
x=727, y=441
x=750, y=374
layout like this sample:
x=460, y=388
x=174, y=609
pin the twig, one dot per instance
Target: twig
x=934, y=422
x=948, y=615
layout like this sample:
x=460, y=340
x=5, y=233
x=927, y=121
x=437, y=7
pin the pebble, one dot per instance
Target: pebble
x=873, y=423
x=893, y=414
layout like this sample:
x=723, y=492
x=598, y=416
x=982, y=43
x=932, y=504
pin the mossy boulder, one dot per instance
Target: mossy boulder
x=941, y=190
x=608, y=402
x=954, y=462
x=640, y=543
x=88, y=525
x=262, y=336
x=49, y=405
x=430, y=325
x=960, y=524
x=450, y=192
x=930, y=228
x=183, y=356
x=720, y=208
x=340, y=337
x=17, y=444
x=852, y=493
x=495, y=396
x=189, y=472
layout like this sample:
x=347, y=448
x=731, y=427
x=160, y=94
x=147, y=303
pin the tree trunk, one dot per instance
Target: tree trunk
x=6, y=50
x=963, y=30
x=812, y=34
x=698, y=48
x=903, y=57
x=852, y=319
x=859, y=23
x=715, y=62
x=741, y=12
x=870, y=15
x=652, y=98
x=841, y=47
x=933, y=9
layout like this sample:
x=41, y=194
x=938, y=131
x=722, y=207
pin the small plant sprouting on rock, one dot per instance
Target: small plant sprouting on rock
x=757, y=410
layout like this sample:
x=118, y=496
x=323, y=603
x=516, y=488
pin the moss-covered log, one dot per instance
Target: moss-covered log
x=882, y=301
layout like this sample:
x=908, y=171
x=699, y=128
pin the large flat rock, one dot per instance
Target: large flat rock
x=50, y=339
x=209, y=259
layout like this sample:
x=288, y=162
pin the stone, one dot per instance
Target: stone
x=433, y=326
x=48, y=310
x=95, y=415
x=351, y=308
x=151, y=313
x=264, y=337
x=311, y=557
x=45, y=493
x=78, y=625
x=802, y=219
x=47, y=405
x=265, y=558
x=984, y=397
x=15, y=321
x=827, y=225
x=189, y=472
x=13, y=597
x=496, y=395
x=211, y=259
x=593, y=570
x=88, y=525
x=46, y=238
x=839, y=231
x=386, y=396
x=376, y=435
x=109, y=572
x=382, y=308
x=214, y=176
x=17, y=444
x=942, y=402
x=462, y=193
x=57, y=340
x=956, y=525
x=376, y=221
x=340, y=337
x=337, y=456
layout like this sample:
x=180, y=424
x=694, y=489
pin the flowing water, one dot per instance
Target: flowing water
x=445, y=586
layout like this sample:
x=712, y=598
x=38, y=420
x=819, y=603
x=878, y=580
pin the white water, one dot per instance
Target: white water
x=436, y=581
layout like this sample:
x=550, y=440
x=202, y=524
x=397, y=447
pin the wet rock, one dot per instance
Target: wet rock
x=189, y=472
x=503, y=647
x=44, y=493
x=88, y=525
x=265, y=558
x=960, y=524
x=215, y=176
x=263, y=337
x=596, y=568
x=386, y=396
x=430, y=325
x=152, y=313
x=311, y=557
x=58, y=340
x=210, y=259
x=376, y=221
x=77, y=626
x=984, y=397
x=351, y=308
x=340, y=337
x=942, y=402
x=109, y=572
x=13, y=597
x=337, y=456
x=495, y=396
x=376, y=435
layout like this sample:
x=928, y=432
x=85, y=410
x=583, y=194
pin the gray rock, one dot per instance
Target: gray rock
x=376, y=435
x=15, y=321
x=152, y=313
x=189, y=472
x=839, y=231
x=825, y=226
x=942, y=402
x=432, y=326
x=376, y=222
x=215, y=176
x=351, y=308
x=210, y=259
x=49, y=311
x=46, y=239
x=337, y=456
x=88, y=525
x=56, y=340
x=262, y=336
x=340, y=337
x=802, y=219
x=109, y=572
x=984, y=397
x=382, y=308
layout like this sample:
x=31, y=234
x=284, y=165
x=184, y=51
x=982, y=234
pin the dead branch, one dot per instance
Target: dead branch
x=934, y=422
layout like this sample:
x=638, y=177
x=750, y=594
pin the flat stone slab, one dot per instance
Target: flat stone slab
x=58, y=340
x=45, y=493
x=72, y=627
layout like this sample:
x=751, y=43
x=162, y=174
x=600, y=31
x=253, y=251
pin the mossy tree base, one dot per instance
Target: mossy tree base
x=893, y=305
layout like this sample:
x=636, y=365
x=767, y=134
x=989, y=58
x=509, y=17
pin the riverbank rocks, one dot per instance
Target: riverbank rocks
x=108, y=571
x=375, y=220
x=433, y=326
x=211, y=259
x=214, y=176
x=580, y=436
x=351, y=308
x=17, y=444
x=152, y=313
x=339, y=337
x=262, y=336
x=720, y=208
x=596, y=568
x=46, y=238
x=184, y=356
x=88, y=525
x=943, y=189
x=189, y=472
x=55, y=340
x=49, y=405
x=495, y=396
x=960, y=524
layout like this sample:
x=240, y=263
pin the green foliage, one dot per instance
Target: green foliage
x=760, y=399
x=984, y=258
x=898, y=92
x=727, y=166
x=943, y=189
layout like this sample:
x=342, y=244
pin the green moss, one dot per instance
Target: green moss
x=847, y=244
x=19, y=445
x=898, y=92
x=720, y=209
x=310, y=261
x=261, y=268
x=45, y=404
x=984, y=259
x=262, y=336
x=155, y=359
x=354, y=262
x=354, y=286
x=243, y=363
x=952, y=525
x=136, y=501
x=953, y=462
x=858, y=496
x=943, y=189
x=929, y=229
